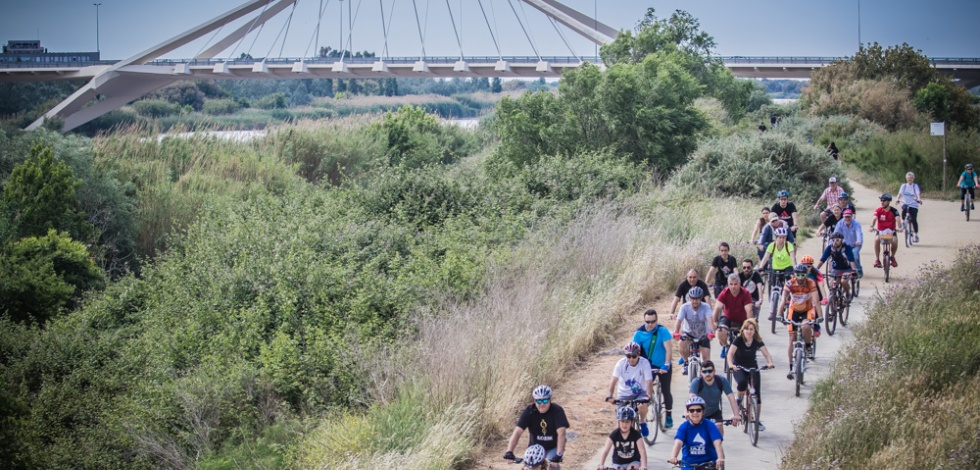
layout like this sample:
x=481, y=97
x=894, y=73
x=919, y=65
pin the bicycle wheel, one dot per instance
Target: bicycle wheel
x=798, y=361
x=967, y=202
x=830, y=313
x=844, y=313
x=693, y=370
x=908, y=233
x=856, y=289
x=773, y=303
x=743, y=413
x=886, y=262
x=753, y=420
x=653, y=416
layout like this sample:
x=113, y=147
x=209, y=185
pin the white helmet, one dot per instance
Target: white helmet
x=541, y=392
x=782, y=232
x=534, y=456
x=695, y=400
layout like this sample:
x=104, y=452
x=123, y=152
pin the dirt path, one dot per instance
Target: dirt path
x=944, y=231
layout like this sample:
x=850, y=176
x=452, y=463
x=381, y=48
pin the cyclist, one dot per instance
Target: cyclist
x=743, y=354
x=911, y=197
x=768, y=234
x=546, y=423
x=698, y=324
x=534, y=458
x=812, y=273
x=968, y=181
x=830, y=221
x=783, y=255
x=722, y=266
x=842, y=259
x=852, y=237
x=737, y=305
x=885, y=222
x=786, y=211
x=698, y=440
x=630, y=452
x=759, y=226
x=831, y=194
x=844, y=201
x=712, y=387
x=692, y=280
x=752, y=282
x=632, y=379
x=655, y=344
x=801, y=291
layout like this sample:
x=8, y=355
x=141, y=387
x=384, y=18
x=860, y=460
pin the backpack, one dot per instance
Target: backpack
x=717, y=384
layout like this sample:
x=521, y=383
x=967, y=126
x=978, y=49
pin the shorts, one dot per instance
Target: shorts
x=626, y=466
x=840, y=272
x=742, y=382
x=726, y=322
x=716, y=416
x=641, y=395
x=704, y=342
x=800, y=316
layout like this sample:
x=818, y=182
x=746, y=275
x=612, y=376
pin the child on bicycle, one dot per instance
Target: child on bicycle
x=698, y=440
x=630, y=451
x=534, y=458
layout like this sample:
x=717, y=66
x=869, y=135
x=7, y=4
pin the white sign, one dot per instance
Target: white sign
x=937, y=128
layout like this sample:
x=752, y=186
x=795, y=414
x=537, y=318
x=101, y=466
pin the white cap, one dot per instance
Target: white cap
x=833, y=179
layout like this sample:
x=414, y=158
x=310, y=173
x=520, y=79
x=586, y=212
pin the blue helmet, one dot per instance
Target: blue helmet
x=782, y=193
x=625, y=414
x=695, y=293
x=843, y=196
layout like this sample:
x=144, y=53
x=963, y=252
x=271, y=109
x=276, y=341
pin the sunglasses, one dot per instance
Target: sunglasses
x=707, y=371
x=746, y=268
x=632, y=356
x=542, y=402
x=650, y=322
x=695, y=410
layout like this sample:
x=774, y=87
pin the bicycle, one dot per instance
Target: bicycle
x=696, y=466
x=886, y=252
x=907, y=227
x=731, y=340
x=749, y=415
x=839, y=304
x=855, y=289
x=636, y=413
x=656, y=413
x=799, y=350
x=967, y=203
x=694, y=360
x=777, y=279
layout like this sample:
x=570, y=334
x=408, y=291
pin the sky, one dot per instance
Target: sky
x=828, y=28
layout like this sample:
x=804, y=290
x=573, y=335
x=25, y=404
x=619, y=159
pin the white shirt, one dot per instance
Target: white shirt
x=632, y=379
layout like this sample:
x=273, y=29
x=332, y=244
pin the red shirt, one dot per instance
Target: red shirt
x=886, y=218
x=735, y=304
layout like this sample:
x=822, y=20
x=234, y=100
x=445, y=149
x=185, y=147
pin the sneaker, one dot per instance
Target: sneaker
x=643, y=430
x=724, y=351
x=917, y=238
x=684, y=371
x=772, y=317
x=789, y=376
x=971, y=206
x=877, y=263
x=894, y=262
x=669, y=422
x=824, y=301
x=962, y=209
x=762, y=427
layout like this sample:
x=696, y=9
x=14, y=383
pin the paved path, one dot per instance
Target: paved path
x=944, y=231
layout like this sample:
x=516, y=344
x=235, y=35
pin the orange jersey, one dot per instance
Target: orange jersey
x=800, y=300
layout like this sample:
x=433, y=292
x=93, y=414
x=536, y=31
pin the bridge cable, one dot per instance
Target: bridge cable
x=530, y=30
x=289, y=23
x=284, y=26
x=509, y=2
x=323, y=9
x=210, y=39
x=419, y=25
x=385, y=27
x=256, y=38
x=350, y=35
x=455, y=31
x=240, y=41
x=562, y=36
x=491, y=30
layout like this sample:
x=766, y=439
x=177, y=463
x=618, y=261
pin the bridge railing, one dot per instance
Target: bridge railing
x=372, y=60
x=817, y=60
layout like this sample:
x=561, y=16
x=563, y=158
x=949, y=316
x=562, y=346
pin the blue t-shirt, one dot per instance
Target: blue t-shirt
x=969, y=179
x=841, y=260
x=698, y=441
x=658, y=353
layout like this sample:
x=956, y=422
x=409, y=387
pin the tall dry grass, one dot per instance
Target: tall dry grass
x=553, y=298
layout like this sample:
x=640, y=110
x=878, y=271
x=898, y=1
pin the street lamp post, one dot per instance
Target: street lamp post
x=98, y=48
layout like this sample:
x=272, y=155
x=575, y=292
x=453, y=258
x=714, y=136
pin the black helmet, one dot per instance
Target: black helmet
x=837, y=235
x=886, y=197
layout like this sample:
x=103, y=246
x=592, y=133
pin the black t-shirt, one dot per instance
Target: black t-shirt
x=724, y=269
x=543, y=428
x=784, y=213
x=686, y=286
x=749, y=283
x=745, y=355
x=625, y=450
x=831, y=221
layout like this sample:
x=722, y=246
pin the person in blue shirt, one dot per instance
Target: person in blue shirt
x=852, y=238
x=697, y=440
x=841, y=257
x=968, y=181
x=655, y=342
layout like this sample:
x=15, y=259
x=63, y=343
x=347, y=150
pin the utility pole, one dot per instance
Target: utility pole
x=98, y=48
x=859, y=25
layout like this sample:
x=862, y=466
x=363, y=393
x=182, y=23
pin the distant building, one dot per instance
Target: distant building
x=31, y=51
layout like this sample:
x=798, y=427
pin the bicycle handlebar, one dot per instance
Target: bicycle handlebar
x=753, y=369
x=630, y=402
x=802, y=323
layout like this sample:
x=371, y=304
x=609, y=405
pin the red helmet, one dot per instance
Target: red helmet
x=806, y=259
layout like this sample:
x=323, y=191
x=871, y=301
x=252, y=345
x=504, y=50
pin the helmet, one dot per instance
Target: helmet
x=695, y=400
x=886, y=197
x=843, y=196
x=838, y=235
x=801, y=269
x=534, y=455
x=782, y=193
x=969, y=166
x=542, y=392
x=782, y=232
x=631, y=348
x=806, y=259
x=695, y=293
x=625, y=414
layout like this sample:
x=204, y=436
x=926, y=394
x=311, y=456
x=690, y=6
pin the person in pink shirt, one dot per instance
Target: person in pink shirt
x=831, y=194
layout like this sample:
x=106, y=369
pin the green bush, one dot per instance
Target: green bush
x=156, y=108
x=220, y=106
x=889, y=156
x=273, y=101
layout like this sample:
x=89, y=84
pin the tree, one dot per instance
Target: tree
x=496, y=86
x=903, y=64
x=40, y=196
